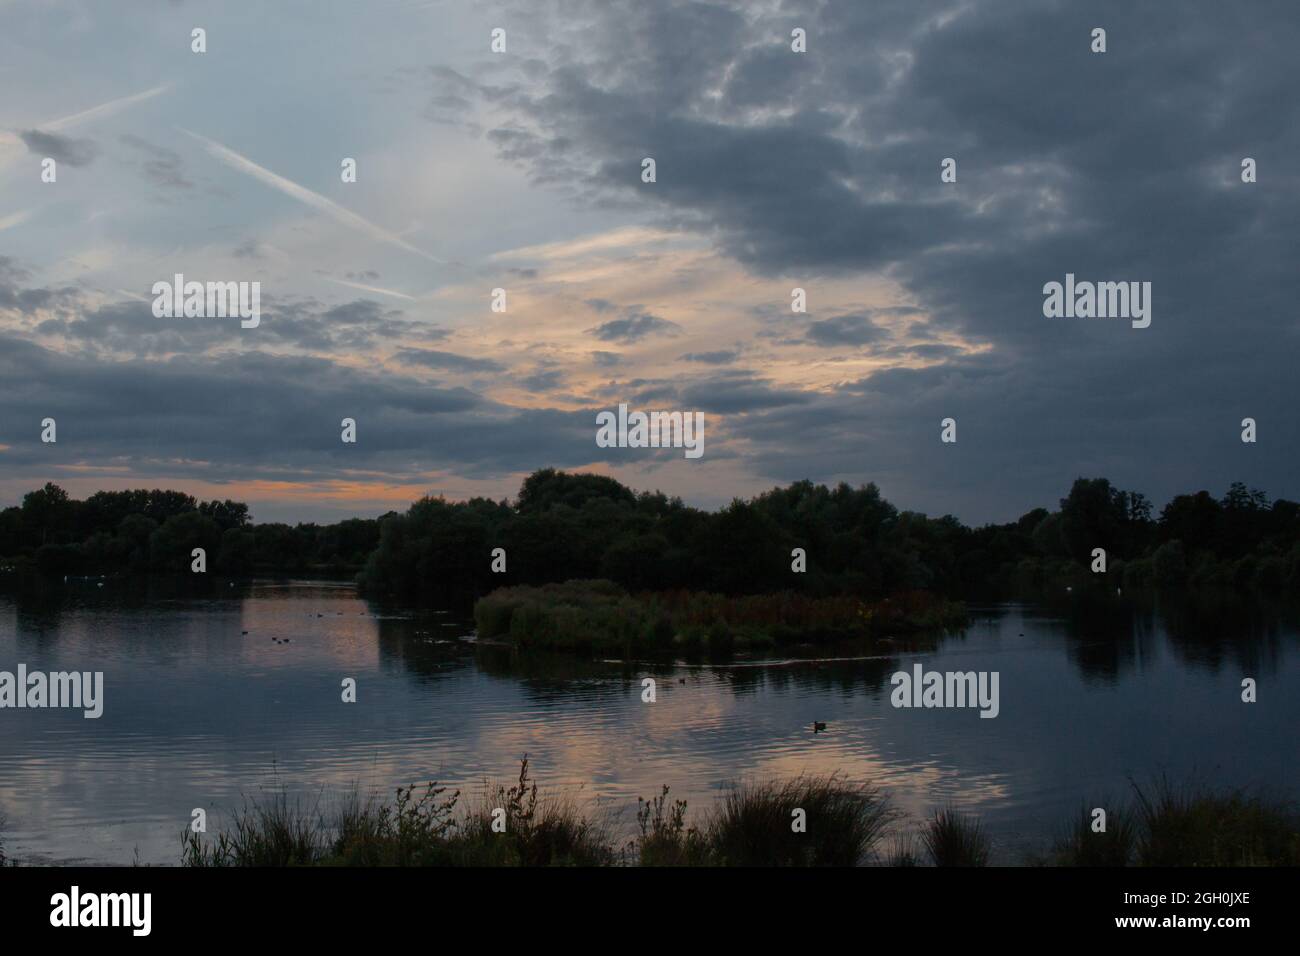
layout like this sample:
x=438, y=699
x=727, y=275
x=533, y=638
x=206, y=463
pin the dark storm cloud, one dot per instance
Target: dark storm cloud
x=131, y=328
x=430, y=358
x=738, y=392
x=265, y=417
x=1116, y=166
x=854, y=329
x=634, y=326
x=637, y=391
x=800, y=167
x=664, y=394
x=543, y=380
x=63, y=149
x=28, y=301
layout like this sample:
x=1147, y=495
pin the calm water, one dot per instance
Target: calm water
x=199, y=714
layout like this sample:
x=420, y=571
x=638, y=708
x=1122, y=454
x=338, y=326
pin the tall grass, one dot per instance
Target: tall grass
x=752, y=825
x=954, y=839
x=1083, y=846
x=270, y=832
x=907, y=850
x=412, y=831
x=1198, y=828
x=665, y=839
x=806, y=821
x=422, y=826
x=538, y=831
x=1167, y=825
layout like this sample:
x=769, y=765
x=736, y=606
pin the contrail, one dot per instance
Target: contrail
x=306, y=196
x=369, y=288
x=95, y=112
x=103, y=109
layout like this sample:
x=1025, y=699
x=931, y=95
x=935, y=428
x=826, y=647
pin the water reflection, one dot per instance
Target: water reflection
x=215, y=694
x=1220, y=631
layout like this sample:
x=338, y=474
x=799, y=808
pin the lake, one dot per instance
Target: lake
x=198, y=713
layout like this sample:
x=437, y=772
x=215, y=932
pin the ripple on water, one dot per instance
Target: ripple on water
x=199, y=713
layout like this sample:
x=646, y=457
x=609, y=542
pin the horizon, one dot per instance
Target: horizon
x=253, y=517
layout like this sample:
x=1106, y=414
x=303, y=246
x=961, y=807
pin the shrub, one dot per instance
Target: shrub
x=599, y=614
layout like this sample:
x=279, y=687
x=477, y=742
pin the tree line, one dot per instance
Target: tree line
x=564, y=526
x=154, y=532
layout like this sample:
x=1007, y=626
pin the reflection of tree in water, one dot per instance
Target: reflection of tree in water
x=42, y=608
x=1242, y=631
x=1106, y=637
x=38, y=618
x=422, y=646
x=869, y=675
x=549, y=676
x=847, y=668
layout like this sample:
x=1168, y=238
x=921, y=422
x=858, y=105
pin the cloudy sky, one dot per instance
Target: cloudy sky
x=522, y=170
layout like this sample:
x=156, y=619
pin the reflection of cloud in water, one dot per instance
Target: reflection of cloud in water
x=199, y=714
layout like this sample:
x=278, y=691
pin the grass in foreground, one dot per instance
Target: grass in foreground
x=953, y=839
x=1168, y=826
x=751, y=826
x=807, y=821
x=421, y=827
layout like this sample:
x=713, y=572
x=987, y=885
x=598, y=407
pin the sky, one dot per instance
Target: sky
x=522, y=170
